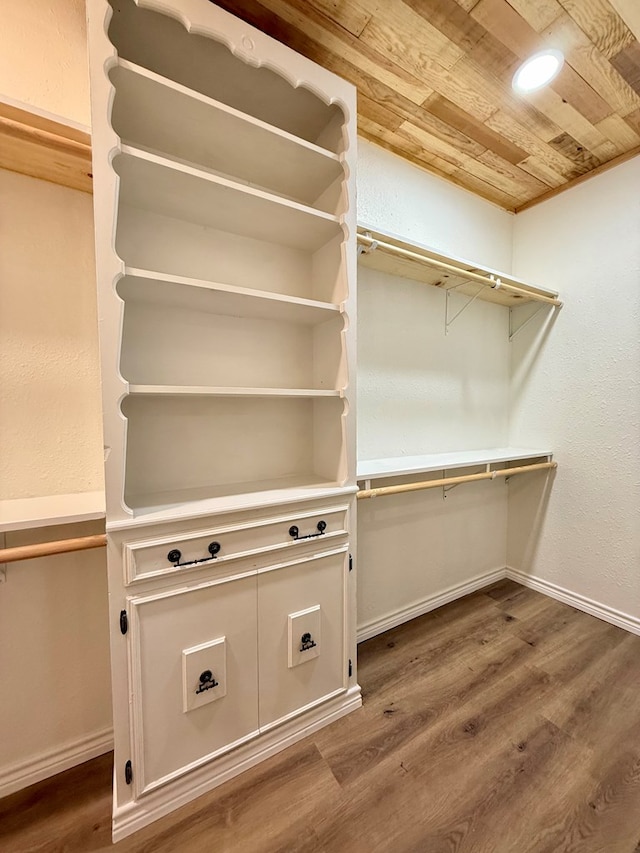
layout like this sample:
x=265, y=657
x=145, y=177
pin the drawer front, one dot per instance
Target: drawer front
x=210, y=547
x=301, y=635
x=193, y=656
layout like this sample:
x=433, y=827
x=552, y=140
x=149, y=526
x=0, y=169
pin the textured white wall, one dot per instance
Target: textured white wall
x=50, y=418
x=577, y=388
x=420, y=391
x=396, y=196
x=54, y=653
x=43, y=56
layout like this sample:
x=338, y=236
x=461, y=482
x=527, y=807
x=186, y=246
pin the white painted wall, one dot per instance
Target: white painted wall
x=54, y=661
x=50, y=419
x=578, y=389
x=420, y=391
x=43, y=56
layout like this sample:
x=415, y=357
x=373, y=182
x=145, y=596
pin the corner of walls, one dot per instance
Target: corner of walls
x=575, y=385
x=399, y=197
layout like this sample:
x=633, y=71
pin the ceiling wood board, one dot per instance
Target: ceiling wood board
x=435, y=83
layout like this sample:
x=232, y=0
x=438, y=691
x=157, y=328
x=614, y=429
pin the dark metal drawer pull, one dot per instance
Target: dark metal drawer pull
x=174, y=556
x=321, y=526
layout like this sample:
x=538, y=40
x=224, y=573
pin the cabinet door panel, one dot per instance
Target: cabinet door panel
x=301, y=634
x=194, y=662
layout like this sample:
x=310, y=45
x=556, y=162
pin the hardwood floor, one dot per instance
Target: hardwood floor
x=502, y=723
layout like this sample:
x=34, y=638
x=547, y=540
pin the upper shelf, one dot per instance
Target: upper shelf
x=217, y=136
x=389, y=253
x=210, y=297
x=42, y=147
x=170, y=188
x=399, y=466
x=28, y=513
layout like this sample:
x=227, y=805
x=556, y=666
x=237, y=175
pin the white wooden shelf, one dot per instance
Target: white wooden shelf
x=154, y=507
x=217, y=298
x=246, y=148
x=173, y=189
x=391, y=254
x=29, y=513
x=216, y=391
x=399, y=466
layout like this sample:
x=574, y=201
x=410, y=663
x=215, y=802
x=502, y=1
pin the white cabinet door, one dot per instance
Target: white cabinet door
x=193, y=659
x=301, y=635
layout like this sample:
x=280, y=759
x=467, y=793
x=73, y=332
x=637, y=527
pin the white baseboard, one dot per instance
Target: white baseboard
x=419, y=608
x=580, y=602
x=150, y=807
x=24, y=773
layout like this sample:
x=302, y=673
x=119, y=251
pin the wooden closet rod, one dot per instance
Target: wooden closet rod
x=48, y=549
x=99, y=540
x=472, y=276
x=453, y=481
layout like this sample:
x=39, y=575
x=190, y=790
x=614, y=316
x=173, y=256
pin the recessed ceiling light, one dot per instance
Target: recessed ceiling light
x=537, y=71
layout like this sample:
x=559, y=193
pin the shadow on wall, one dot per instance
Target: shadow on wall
x=532, y=341
x=528, y=505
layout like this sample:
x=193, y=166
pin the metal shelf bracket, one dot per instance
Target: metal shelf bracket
x=513, y=331
x=449, y=320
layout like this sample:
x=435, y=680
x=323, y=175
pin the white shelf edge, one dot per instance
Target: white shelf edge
x=376, y=469
x=218, y=391
x=30, y=513
x=145, y=517
x=243, y=292
x=132, y=67
x=211, y=177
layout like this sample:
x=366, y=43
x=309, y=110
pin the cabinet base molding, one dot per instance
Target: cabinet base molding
x=21, y=774
x=574, y=599
x=391, y=620
x=134, y=816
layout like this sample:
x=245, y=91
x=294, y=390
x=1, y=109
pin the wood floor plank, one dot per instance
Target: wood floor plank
x=505, y=722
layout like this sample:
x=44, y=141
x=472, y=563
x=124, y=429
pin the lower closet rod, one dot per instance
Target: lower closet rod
x=84, y=543
x=453, y=481
x=48, y=549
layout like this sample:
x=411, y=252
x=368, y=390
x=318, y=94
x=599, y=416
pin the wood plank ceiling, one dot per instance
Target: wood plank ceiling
x=434, y=83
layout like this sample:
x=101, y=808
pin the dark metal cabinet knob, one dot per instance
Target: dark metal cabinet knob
x=307, y=642
x=207, y=681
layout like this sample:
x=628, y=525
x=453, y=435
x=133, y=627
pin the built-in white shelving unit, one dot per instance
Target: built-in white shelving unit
x=224, y=198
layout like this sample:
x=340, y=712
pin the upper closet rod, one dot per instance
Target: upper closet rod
x=462, y=273
x=453, y=481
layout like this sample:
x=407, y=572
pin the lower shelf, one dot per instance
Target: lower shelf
x=229, y=449
x=208, y=500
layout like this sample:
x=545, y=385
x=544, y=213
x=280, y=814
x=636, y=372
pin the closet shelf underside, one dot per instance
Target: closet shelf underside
x=391, y=254
x=376, y=469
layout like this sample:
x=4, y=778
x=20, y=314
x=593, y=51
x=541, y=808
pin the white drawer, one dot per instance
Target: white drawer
x=254, y=541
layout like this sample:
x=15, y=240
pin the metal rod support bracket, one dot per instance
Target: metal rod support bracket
x=448, y=321
x=514, y=331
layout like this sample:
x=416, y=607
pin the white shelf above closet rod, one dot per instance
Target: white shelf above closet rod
x=413, y=256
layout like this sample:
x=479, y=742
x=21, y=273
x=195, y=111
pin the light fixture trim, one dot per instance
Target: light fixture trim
x=538, y=71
